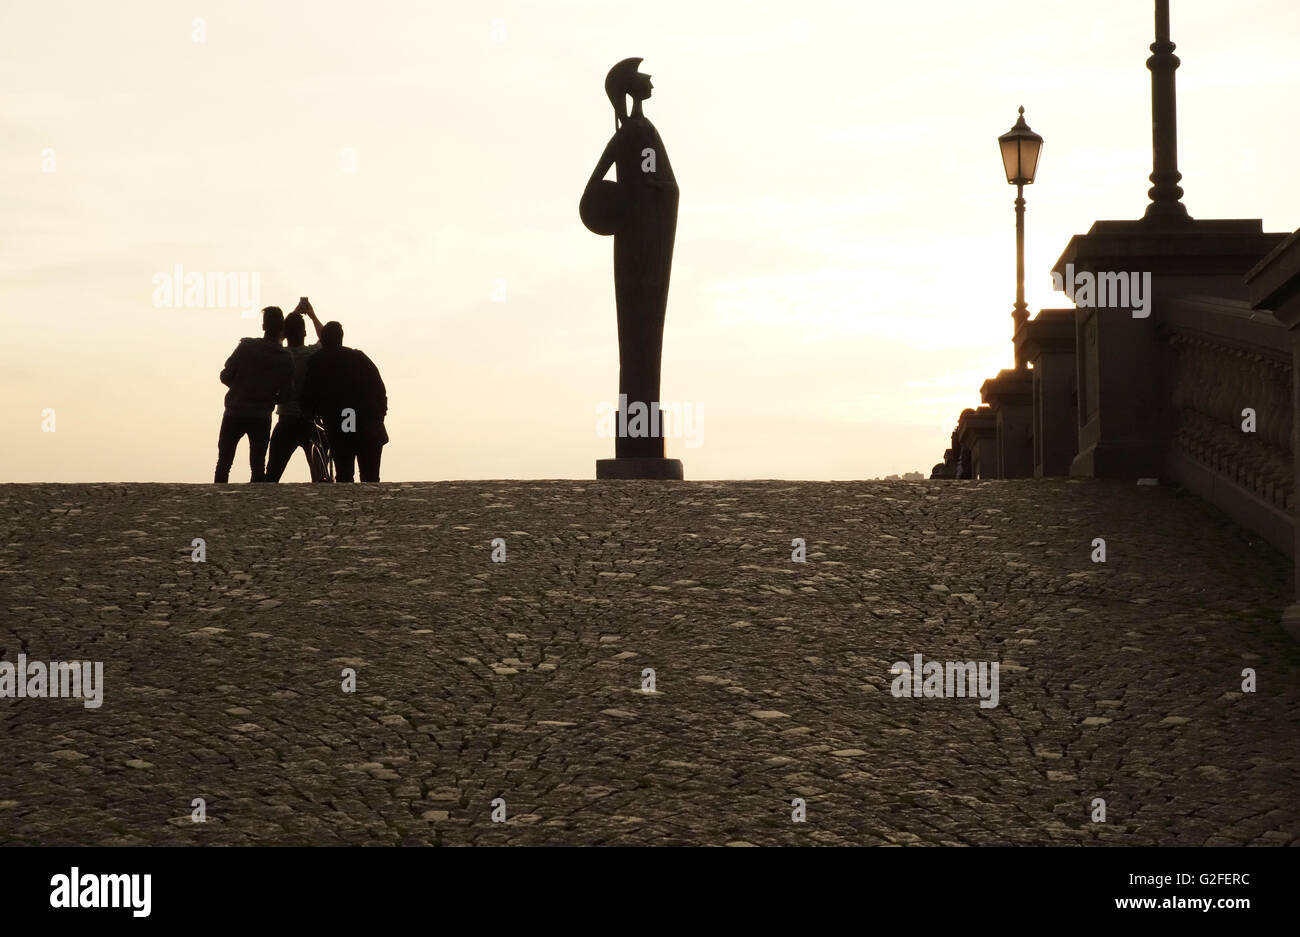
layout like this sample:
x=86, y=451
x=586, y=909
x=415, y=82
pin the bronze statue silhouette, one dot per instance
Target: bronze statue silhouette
x=640, y=211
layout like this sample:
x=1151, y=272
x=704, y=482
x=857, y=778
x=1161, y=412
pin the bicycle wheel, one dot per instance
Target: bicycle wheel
x=322, y=465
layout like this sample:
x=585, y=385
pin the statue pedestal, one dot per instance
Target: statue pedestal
x=669, y=469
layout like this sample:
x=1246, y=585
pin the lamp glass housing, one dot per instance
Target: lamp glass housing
x=1021, y=148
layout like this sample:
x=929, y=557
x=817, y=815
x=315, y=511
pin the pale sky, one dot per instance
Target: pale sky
x=844, y=270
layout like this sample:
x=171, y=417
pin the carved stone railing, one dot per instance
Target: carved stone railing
x=1226, y=359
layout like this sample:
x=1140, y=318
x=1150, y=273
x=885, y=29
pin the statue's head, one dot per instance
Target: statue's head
x=622, y=81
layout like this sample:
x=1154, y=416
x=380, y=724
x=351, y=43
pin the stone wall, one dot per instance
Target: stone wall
x=1225, y=363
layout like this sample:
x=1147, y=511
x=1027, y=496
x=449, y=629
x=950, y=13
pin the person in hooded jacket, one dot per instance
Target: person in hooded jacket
x=259, y=373
x=343, y=387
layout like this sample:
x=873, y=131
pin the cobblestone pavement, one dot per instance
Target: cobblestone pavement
x=523, y=680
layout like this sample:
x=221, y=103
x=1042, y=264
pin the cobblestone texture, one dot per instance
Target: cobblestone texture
x=522, y=680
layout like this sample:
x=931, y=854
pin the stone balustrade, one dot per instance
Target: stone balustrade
x=1226, y=360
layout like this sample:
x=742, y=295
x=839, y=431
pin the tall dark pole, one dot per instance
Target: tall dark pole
x=1021, y=314
x=1166, y=195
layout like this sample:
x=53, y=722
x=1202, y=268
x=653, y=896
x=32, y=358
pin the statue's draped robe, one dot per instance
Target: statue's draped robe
x=643, y=259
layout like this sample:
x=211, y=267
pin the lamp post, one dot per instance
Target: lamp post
x=1165, y=193
x=1021, y=148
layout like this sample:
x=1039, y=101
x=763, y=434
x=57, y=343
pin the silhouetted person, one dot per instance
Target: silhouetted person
x=294, y=429
x=259, y=372
x=343, y=386
x=640, y=211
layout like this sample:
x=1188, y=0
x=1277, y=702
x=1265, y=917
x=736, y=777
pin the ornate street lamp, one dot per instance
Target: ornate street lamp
x=1021, y=148
x=1166, y=194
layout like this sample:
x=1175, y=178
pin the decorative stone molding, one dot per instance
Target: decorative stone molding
x=1213, y=382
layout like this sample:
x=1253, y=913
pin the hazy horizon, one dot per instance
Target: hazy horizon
x=844, y=270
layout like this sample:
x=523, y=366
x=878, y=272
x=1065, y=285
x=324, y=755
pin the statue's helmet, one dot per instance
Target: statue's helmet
x=617, y=84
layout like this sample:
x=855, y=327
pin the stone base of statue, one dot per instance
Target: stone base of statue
x=669, y=469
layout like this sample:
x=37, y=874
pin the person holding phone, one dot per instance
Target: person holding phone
x=293, y=428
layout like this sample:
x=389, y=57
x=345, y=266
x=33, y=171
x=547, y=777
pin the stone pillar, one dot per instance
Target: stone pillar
x=1010, y=396
x=1123, y=413
x=1047, y=342
x=977, y=433
x=947, y=468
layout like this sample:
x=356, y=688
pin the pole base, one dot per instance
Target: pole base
x=667, y=469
